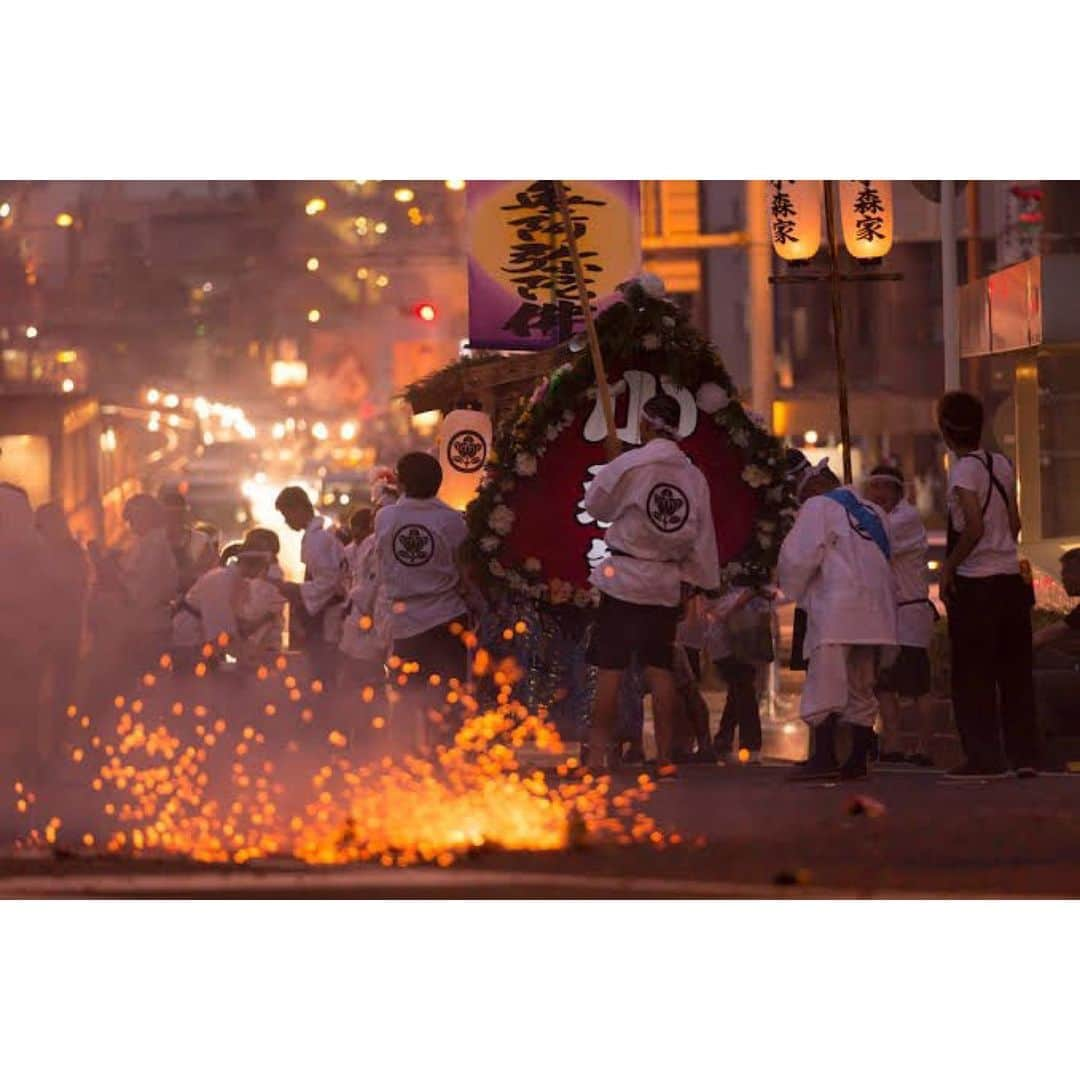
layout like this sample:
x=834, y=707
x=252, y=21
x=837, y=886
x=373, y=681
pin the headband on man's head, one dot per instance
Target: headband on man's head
x=808, y=474
x=890, y=477
x=660, y=424
x=663, y=414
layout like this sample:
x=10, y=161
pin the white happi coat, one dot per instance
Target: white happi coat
x=355, y=554
x=262, y=598
x=217, y=597
x=417, y=542
x=323, y=588
x=364, y=635
x=847, y=588
x=914, y=613
x=151, y=582
x=660, y=511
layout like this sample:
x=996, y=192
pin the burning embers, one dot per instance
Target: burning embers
x=174, y=774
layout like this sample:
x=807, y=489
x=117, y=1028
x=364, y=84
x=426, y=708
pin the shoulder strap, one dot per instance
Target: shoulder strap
x=862, y=519
x=994, y=483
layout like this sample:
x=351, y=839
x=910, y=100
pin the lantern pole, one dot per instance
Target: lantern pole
x=835, y=278
x=837, y=323
x=611, y=440
x=759, y=259
x=950, y=326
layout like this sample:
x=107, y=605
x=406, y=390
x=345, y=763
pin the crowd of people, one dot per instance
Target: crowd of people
x=855, y=564
x=387, y=601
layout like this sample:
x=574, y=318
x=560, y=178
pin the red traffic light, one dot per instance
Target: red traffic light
x=425, y=311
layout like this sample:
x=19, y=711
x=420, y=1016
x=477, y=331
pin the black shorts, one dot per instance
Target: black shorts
x=909, y=676
x=438, y=651
x=623, y=630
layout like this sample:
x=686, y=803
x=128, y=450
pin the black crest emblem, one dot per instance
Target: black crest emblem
x=413, y=545
x=667, y=507
x=467, y=451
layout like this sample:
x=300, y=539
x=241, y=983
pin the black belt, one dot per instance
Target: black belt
x=924, y=600
x=640, y=558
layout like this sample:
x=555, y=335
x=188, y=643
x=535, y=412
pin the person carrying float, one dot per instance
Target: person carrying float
x=661, y=546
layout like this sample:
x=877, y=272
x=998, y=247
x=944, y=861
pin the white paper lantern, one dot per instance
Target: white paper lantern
x=866, y=214
x=464, y=445
x=795, y=218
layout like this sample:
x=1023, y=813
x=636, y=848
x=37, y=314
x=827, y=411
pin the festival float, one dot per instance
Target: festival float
x=529, y=533
x=542, y=369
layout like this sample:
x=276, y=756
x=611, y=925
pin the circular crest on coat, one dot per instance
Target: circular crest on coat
x=413, y=545
x=667, y=507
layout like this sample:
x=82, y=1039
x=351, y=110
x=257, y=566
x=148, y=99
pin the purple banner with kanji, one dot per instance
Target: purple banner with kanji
x=522, y=290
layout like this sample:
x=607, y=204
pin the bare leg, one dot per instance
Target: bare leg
x=926, y=725
x=664, y=702
x=699, y=718
x=602, y=717
x=889, y=707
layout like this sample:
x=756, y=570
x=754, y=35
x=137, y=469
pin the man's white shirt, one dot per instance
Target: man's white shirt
x=660, y=510
x=365, y=632
x=323, y=556
x=915, y=615
x=840, y=578
x=151, y=581
x=417, y=543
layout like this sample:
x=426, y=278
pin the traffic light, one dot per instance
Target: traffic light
x=425, y=311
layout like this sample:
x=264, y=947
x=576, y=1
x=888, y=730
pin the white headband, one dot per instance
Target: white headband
x=659, y=424
x=809, y=473
x=888, y=477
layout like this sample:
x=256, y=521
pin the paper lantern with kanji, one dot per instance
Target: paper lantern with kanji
x=866, y=215
x=795, y=218
x=464, y=445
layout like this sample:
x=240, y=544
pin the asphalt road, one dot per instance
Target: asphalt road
x=763, y=837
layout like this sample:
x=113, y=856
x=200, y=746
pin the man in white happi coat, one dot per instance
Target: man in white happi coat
x=908, y=675
x=219, y=610
x=662, y=545
x=420, y=602
x=365, y=634
x=418, y=541
x=149, y=579
x=835, y=565
x=316, y=604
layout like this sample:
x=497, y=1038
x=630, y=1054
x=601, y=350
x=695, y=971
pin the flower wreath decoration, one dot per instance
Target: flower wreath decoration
x=643, y=321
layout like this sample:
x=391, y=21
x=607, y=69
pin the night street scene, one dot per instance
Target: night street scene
x=534, y=629
x=542, y=538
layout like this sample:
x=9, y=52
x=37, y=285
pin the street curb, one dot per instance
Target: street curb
x=382, y=883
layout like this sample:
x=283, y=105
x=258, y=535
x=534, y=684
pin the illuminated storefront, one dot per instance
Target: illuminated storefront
x=1020, y=351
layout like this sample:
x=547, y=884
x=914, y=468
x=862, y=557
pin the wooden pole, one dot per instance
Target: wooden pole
x=611, y=440
x=759, y=264
x=950, y=325
x=974, y=231
x=837, y=324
